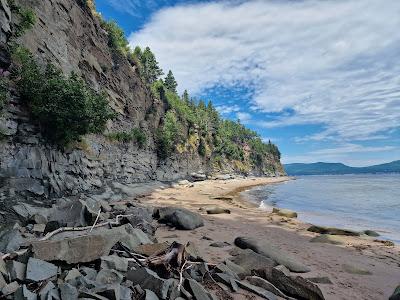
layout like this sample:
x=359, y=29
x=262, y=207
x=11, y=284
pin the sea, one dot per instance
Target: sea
x=356, y=202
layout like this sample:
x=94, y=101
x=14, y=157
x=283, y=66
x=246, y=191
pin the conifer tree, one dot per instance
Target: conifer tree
x=185, y=97
x=170, y=82
x=151, y=69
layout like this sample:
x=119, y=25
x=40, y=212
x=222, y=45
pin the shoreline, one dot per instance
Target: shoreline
x=247, y=219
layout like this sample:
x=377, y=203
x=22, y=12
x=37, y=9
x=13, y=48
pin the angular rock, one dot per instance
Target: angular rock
x=295, y=286
x=72, y=274
x=252, y=261
x=284, y=212
x=10, y=240
x=86, y=248
x=68, y=292
x=10, y=288
x=24, y=294
x=39, y=270
x=3, y=282
x=257, y=290
x=332, y=231
x=106, y=276
x=198, y=292
x=266, y=285
x=44, y=292
x=150, y=295
x=114, y=262
x=179, y=217
x=227, y=280
x=111, y=292
x=320, y=280
x=16, y=270
x=90, y=273
x=241, y=272
x=274, y=253
x=222, y=268
x=148, y=279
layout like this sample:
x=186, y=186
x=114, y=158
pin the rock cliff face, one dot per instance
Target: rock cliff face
x=69, y=36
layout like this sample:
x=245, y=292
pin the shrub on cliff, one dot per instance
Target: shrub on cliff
x=169, y=135
x=26, y=18
x=135, y=135
x=65, y=108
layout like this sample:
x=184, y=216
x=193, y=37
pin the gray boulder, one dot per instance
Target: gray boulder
x=294, y=285
x=24, y=294
x=274, y=253
x=332, y=231
x=68, y=292
x=10, y=240
x=250, y=261
x=179, y=217
x=257, y=290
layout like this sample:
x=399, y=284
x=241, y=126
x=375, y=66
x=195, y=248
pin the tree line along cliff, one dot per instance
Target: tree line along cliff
x=80, y=107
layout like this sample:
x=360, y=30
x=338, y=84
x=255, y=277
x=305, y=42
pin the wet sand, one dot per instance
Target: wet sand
x=338, y=262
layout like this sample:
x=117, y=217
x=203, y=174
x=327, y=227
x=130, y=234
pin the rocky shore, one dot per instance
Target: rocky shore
x=192, y=240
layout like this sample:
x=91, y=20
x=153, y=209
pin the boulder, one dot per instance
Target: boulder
x=39, y=270
x=150, y=295
x=197, y=290
x=284, y=212
x=250, y=261
x=10, y=288
x=294, y=285
x=214, y=210
x=371, y=233
x=179, y=217
x=198, y=176
x=73, y=248
x=332, y=231
x=270, y=251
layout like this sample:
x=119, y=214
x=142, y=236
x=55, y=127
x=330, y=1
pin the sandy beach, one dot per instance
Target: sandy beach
x=359, y=268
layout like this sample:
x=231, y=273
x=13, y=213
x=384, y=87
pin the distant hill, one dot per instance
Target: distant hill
x=321, y=168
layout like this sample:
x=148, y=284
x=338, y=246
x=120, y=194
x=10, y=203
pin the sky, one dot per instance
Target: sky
x=319, y=78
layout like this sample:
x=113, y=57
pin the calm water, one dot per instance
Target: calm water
x=357, y=202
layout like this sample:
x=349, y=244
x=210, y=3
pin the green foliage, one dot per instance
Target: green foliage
x=135, y=135
x=202, y=148
x=27, y=18
x=148, y=64
x=116, y=37
x=169, y=135
x=64, y=107
x=3, y=92
x=170, y=82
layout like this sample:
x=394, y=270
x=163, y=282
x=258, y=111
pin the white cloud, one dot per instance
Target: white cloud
x=333, y=63
x=244, y=117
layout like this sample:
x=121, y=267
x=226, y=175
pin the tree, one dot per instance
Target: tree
x=185, y=97
x=151, y=69
x=170, y=82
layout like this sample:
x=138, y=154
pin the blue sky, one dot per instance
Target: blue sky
x=321, y=79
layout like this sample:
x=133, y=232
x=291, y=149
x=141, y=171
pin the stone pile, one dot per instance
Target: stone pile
x=86, y=249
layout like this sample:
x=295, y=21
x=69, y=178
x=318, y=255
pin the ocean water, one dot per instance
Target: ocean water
x=357, y=202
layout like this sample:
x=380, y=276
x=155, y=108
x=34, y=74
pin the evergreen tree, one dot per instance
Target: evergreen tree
x=185, y=97
x=151, y=69
x=170, y=82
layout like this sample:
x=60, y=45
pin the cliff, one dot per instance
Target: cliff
x=68, y=35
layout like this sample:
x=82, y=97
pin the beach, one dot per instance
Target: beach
x=358, y=267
